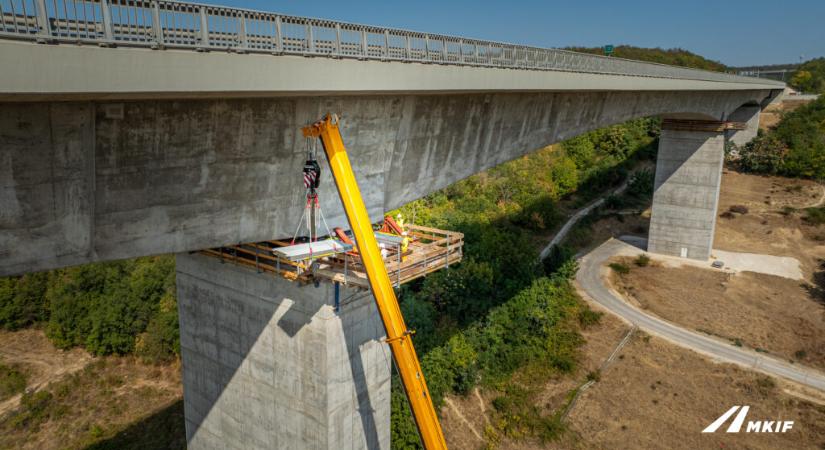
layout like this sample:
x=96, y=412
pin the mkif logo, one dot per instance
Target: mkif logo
x=754, y=426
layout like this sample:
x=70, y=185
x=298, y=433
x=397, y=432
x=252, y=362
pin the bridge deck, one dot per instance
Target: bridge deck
x=173, y=24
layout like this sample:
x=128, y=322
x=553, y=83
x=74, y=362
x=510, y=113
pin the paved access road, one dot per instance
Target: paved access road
x=589, y=278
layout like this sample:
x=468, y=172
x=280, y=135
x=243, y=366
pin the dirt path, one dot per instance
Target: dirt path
x=819, y=202
x=575, y=218
x=41, y=361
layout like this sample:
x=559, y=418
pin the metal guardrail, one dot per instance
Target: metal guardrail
x=162, y=24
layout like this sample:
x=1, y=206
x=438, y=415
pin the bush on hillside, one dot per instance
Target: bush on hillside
x=23, y=300
x=641, y=184
x=795, y=148
x=671, y=56
x=809, y=77
x=12, y=381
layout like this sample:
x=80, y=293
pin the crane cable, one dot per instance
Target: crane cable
x=312, y=179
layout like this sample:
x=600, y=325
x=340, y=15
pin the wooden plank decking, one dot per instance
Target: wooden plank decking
x=430, y=249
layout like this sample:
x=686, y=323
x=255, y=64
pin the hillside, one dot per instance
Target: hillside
x=670, y=56
x=810, y=77
x=794, y=148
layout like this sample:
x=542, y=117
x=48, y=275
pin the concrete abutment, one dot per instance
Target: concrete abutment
x=269, y=363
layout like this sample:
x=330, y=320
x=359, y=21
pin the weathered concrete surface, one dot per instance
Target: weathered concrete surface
x=686, y=193
x=748, y=114
x=82, y=182
x=269, y=364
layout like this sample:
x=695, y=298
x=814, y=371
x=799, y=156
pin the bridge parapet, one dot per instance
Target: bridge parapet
x=171, y=24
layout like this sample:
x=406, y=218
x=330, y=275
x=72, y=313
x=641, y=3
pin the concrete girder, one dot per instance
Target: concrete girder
x=95, y=181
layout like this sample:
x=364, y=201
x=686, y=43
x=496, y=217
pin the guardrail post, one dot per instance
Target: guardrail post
x=386, y=44
x=475, y=52
x=461, y=50
x=443, y=50
x=338, y=39
x=364, y=50
x=409, y=49
x=204, y=27
x=427, y=46
x=279, y=43
x=107, y=20
x=310, y=39
x=242, y=30
x=43, y=19
x=156, y=25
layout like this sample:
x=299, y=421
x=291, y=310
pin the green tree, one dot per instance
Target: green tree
x=581, y=150
x=23, y=300
x=810, y=77
x=105, y=306
x=565, y=174
x=671, y=56
x=795, y=148
x=802, y=80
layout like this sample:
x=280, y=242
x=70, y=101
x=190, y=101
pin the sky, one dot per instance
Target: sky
x=735, y=32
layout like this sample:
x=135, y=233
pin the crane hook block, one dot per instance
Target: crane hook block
x=312, y=174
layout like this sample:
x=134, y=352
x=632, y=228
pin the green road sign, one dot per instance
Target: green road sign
x=608, y=50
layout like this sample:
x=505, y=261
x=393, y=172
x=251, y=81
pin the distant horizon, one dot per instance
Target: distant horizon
x=737, y=34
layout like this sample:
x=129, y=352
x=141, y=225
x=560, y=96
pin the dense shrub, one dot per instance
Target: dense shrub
x=809, y=77
x=588, y=317
x=465, y=292
x=620, y=268
x=558, y=257
x=519, y=416
x=161, y=340
x=103, y=307
x=641, y=184
x=23, y=300
x=795, y=148
x=34, y=409
x=528, y=329
x=815, y=216
x=12, y=381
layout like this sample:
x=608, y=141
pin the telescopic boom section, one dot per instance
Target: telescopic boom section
x=398, y=336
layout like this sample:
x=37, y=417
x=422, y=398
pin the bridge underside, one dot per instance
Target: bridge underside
x=91, y=181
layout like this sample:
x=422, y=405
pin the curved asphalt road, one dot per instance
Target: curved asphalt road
x=589, y=278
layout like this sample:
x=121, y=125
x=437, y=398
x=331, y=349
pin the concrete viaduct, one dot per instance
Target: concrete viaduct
x=178, y=138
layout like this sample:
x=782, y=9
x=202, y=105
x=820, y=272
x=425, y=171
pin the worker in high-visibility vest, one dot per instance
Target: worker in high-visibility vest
x=405, y=241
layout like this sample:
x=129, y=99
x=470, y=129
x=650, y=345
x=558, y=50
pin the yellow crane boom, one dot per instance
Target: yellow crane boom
x=398, y=336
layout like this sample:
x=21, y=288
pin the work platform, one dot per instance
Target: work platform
x=332, y=260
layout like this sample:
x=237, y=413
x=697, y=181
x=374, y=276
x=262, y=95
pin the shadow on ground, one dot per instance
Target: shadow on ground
x=817, y=289
x=162, y=430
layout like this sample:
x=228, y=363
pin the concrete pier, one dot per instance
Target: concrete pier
x=268, y=363
x=750, y=116
x=686, y=192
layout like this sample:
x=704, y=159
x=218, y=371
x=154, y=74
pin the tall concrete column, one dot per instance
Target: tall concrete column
x=268, y=363
x=686, y=189
x=749, y=115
